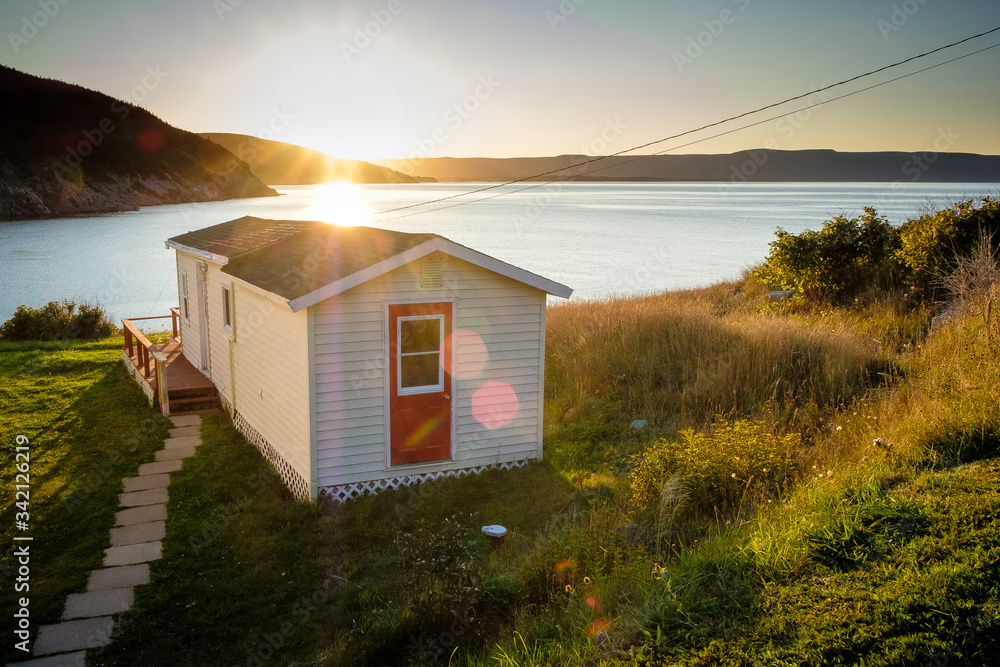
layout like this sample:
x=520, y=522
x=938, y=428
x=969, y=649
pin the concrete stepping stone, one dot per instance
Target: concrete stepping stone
x=149, y=531
x=73, y=635
x=185, y=420
x=76, y=659
x=159, y=467
x=185, y=441
x=146, y=482
x=143, y=514
x=138, y=498
x=98, y=603
x=174, y=454
x=132, y=554
x=182, y=431
x=123, y=576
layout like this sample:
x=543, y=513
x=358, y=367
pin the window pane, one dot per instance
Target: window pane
x=419, y=370
x=419, y=335
x=226, y=317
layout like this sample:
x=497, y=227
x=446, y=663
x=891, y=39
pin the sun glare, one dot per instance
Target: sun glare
x=340, y=203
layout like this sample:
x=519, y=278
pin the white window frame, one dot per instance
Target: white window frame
x=227, y=308
x=426, y=388
x=185, y=306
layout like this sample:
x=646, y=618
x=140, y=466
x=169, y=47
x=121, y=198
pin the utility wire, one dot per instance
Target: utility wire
x=672, y=148
x=692, y=131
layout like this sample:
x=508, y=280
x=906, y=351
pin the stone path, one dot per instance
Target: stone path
x=135, y=541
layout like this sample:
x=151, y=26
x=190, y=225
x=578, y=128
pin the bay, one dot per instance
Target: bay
x=601, y=239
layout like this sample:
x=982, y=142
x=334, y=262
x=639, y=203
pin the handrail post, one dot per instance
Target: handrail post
x=161, y=383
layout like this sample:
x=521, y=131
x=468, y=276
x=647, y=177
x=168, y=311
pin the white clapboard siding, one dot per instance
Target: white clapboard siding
x=190, y=328
x=349, y=360
x=218, y=337
x=271, y=370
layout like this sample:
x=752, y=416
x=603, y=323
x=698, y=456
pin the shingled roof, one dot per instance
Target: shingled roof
x=237, y=237
x=306, y=261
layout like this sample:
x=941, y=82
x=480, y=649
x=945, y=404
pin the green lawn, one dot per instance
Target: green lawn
x=88, y=426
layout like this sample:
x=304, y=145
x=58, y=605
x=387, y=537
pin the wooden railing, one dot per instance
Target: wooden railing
x=142, y=352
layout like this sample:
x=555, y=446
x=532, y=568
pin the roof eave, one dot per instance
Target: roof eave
x=221, y=260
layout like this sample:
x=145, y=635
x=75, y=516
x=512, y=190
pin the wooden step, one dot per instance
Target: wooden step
x=192, y=400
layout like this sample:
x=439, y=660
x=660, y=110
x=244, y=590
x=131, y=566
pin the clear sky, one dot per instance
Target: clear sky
x=373, y=79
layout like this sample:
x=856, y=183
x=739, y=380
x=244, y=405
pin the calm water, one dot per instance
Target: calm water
x=600, y=239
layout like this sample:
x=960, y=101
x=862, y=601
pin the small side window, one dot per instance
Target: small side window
x=227, y=309
x=184, y=296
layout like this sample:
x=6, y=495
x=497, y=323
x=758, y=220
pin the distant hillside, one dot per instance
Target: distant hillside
x=67, y=150
x=753, y=165
x=278, y=163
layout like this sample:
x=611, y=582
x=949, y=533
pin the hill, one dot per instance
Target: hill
x=752, y=165
x=67, y=150
x=279, y=163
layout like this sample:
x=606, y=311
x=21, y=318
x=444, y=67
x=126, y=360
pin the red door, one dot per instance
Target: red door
x=419, y=382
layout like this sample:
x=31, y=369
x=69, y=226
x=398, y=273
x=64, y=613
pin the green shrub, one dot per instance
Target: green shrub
x=443, y=568
x=843, y=257
x=930, y=244
x=718, y=469
x=57, y=321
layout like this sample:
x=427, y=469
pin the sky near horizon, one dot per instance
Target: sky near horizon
x=380, y=79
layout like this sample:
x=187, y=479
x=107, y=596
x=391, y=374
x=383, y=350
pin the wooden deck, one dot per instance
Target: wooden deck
x=181, y=375
x=185, y=388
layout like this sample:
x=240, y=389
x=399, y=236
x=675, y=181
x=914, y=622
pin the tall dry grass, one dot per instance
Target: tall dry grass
x=679, y=359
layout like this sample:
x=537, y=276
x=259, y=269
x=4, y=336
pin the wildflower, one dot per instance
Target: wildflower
x=734, y=475
x=586, y=581
x=569, y=588
x=840, y=428
x=765, y=470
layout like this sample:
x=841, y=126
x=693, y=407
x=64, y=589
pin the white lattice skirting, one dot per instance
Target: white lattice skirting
x=292, y=479
x=342, y=492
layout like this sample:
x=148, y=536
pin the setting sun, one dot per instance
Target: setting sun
x=341, y=203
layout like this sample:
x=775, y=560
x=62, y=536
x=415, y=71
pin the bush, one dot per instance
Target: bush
x=717, y=469
x=443, y=568
x=57, y=321
x=931, y=244
x=839, y=260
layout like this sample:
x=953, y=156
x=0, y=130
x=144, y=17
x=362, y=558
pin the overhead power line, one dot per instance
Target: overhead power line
x=673, y=148
x=706, y=126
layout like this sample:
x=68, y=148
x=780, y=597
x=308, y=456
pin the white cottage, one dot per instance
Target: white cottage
x=359, y=359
